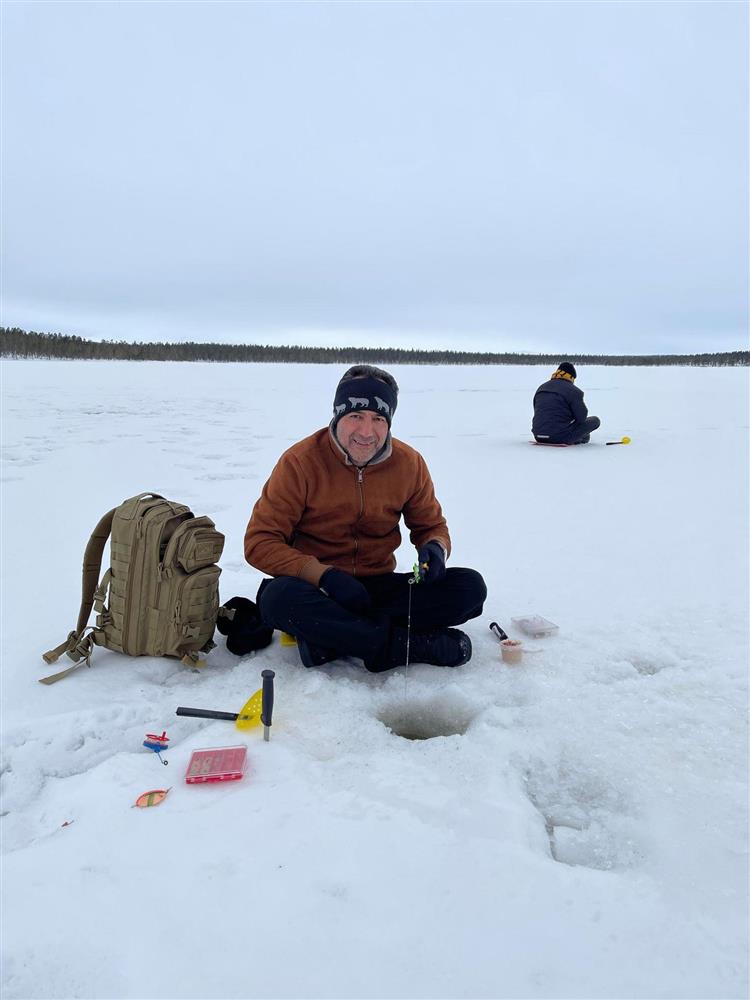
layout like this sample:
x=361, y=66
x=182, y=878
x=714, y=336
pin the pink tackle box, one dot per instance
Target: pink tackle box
x=216, y=764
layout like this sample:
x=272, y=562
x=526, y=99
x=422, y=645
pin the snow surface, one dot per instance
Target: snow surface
x=576, y=828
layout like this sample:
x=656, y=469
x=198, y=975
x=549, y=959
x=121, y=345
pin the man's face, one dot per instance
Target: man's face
x=362, y=434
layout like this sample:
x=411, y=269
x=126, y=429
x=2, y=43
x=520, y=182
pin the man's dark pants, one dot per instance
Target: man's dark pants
x=577, y=433
x=304, y=611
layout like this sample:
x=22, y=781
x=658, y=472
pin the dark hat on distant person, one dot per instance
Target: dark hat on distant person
x=365, y=387
x=568, y=368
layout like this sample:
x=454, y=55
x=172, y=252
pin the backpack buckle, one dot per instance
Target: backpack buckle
x=192, y=660
x=83, y=649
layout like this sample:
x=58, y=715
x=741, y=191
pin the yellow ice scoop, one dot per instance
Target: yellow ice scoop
x=258, y=709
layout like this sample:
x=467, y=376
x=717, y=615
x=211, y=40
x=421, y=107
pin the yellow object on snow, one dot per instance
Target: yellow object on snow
x=249, y=715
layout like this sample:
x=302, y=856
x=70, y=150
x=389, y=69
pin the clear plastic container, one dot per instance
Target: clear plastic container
x=535, y=625
x=511, y=650
x=216, y=764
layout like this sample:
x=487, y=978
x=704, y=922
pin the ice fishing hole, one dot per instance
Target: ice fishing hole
x=420, y=720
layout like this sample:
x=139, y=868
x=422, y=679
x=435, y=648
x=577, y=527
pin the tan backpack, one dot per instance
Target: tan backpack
x=160, y=595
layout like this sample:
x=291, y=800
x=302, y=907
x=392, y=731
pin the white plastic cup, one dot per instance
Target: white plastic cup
x=511, y=650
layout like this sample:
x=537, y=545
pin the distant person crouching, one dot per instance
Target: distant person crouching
x=560, y=414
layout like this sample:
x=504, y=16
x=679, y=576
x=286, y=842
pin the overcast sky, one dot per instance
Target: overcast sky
x=533, y=176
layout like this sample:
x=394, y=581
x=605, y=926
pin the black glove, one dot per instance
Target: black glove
x=245, y=631
x=431, y=560
x=245, y=615
x=346, y=590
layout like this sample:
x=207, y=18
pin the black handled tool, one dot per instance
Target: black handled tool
x=207, y=713
x=247, y=717
x=266, y=713
x=499, y=632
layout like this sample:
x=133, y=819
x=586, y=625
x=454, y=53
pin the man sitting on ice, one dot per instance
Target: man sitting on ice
x=560, y=414
x=326, y=528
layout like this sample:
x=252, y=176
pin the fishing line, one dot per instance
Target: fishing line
x=408, y=633
x=414, y=578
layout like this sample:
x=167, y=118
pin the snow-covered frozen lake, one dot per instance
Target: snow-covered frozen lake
x=580, y=832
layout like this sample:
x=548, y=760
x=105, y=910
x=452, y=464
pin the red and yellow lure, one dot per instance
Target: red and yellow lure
x=153, y=798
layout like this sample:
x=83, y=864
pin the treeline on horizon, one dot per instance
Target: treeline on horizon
x=17, y=343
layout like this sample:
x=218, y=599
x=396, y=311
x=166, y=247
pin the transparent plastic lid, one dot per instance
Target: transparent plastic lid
x=216, y=764
x=535, y=625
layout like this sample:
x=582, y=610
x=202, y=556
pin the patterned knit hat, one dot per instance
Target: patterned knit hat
x=568, y=368
x=366, y=391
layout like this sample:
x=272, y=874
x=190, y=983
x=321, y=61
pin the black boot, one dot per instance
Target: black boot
x=441, y=647
x=314, y=656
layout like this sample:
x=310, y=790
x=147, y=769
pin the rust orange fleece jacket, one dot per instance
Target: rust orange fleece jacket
x=319, y=510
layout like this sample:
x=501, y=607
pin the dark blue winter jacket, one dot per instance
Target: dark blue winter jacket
x=557, y=404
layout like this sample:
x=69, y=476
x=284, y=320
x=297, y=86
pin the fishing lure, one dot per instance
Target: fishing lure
x=416, y=572
x=153, y=798
x=157, y=744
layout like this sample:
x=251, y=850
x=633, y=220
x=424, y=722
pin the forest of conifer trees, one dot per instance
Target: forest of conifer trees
x=17, y=343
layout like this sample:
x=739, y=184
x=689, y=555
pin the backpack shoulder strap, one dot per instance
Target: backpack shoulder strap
x=92, y=564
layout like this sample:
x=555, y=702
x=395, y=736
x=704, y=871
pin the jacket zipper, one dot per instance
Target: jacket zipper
x=361, y=489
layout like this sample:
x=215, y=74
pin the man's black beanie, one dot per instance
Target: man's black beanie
x=364, y=393
x=568, y=367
